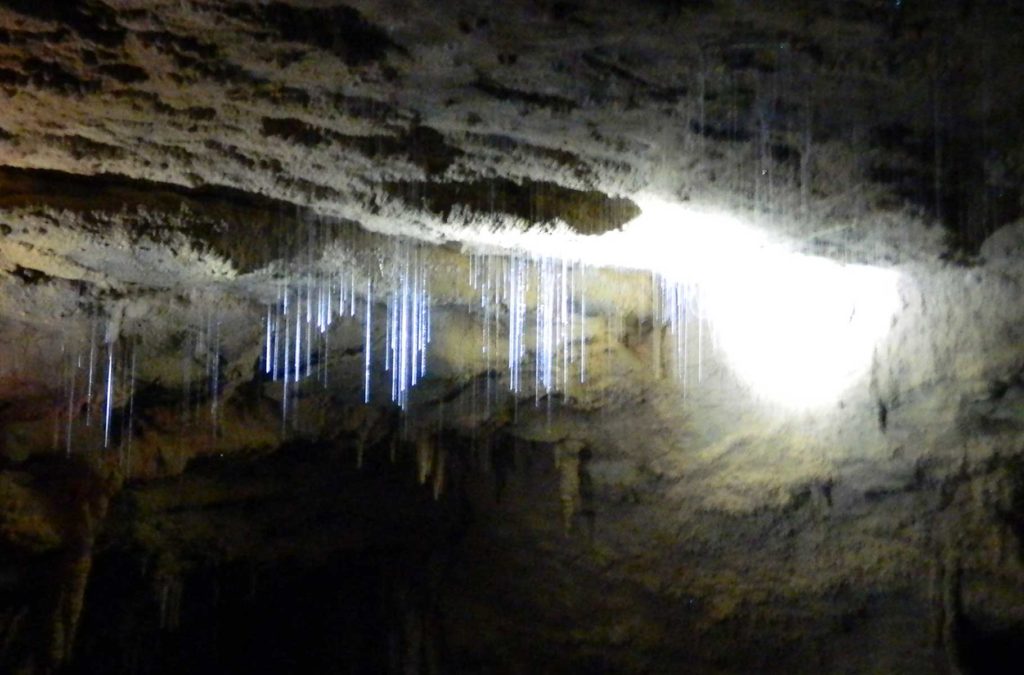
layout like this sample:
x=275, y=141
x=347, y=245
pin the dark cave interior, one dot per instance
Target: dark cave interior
x=508, y=338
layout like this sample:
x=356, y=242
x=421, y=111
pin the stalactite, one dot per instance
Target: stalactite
x=567, y=454
x=171, y=590
x=68, y=611
x=440, y=459
x=424, y=457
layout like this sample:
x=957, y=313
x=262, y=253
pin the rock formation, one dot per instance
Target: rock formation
x=533, y=336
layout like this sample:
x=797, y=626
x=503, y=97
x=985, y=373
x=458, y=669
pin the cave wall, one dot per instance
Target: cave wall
x=171, y=170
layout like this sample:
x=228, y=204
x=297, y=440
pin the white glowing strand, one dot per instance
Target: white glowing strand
x=428, y=337
x=309, y=302
x=352, y=306
x=297, y=351
x=327, y=356
x=583, y=329
x=266, y=345
x=414, y=336
x=284, y=362
x=564, y=323
x=329, y=314
x=109, y=395
x=131, y=400
x=276, y=346
x=403, y=336
x=71, y=405
x=424, y=321
x=388, y=331
x=366, y=342
x=92, y=371
x=309, y=334
x=341, y=294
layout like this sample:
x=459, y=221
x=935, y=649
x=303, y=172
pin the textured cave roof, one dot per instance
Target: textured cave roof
x=827, y=121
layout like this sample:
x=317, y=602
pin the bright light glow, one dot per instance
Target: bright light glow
x=798, y=330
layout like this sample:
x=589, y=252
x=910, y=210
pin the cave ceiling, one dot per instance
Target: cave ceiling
x=453, y=234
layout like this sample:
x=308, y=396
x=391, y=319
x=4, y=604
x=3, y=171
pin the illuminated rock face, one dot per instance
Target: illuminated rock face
x=515, y=337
